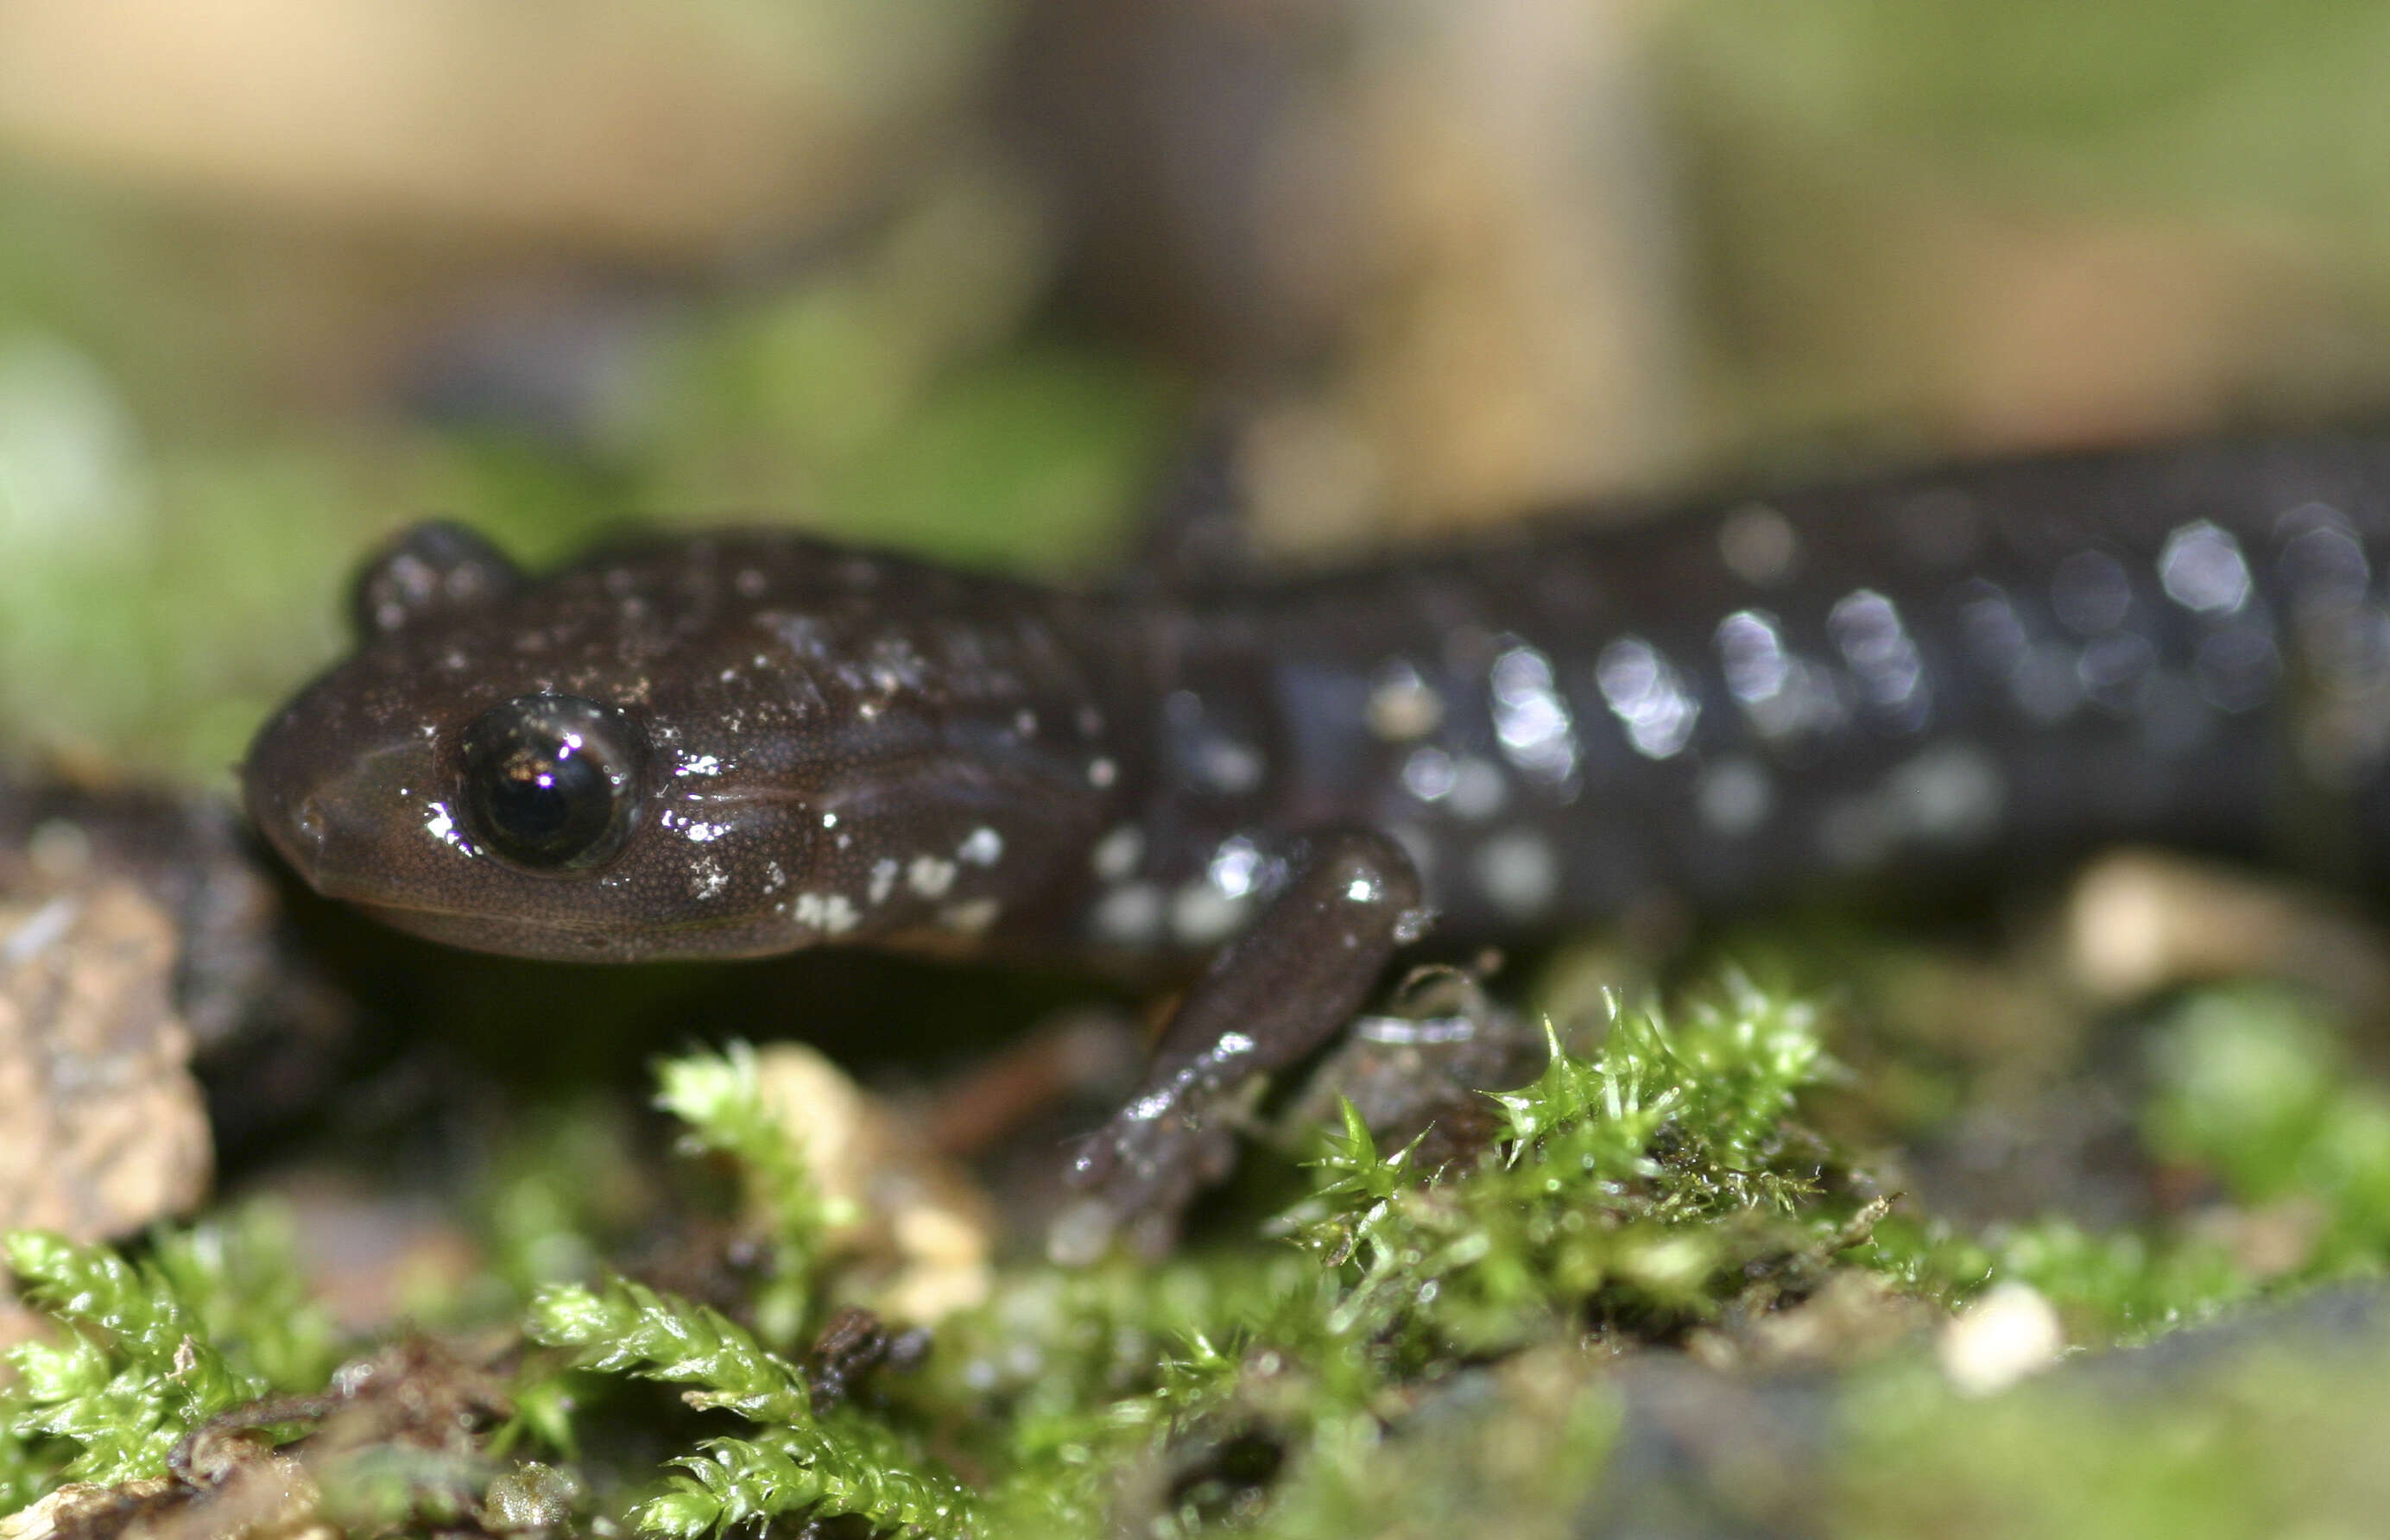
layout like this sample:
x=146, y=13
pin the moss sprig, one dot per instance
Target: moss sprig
x=1649, y=1176
x=213, y=1316
x=822, y=1465
x=720, y=1096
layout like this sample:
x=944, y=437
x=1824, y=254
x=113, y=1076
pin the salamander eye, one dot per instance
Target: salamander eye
x=551, y=781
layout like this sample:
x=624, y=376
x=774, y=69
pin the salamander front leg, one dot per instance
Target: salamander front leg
x=1267, y=1001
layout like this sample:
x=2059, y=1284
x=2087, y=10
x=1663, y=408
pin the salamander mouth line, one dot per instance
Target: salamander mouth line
x=600, y=926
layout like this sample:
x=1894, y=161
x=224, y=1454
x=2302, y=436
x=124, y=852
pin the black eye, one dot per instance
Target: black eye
x=551, y=781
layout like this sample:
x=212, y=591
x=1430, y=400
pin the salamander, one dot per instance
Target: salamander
x=744, y=743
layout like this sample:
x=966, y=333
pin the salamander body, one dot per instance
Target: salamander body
x=745, y=742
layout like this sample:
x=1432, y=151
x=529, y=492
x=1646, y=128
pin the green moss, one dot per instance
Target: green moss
x=796, y=1462
x=719, y=1097
x=1402, y=1350
x=211, y=1318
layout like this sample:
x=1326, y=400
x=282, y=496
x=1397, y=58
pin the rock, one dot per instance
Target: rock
x=916, y=1211
x=107, y=1130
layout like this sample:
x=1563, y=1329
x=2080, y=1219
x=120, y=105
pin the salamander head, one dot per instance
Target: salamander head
x=712, y=747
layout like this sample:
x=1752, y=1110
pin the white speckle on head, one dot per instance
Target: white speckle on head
x=701, y=833
x=929, y=876
x=1757, y=545
x=1478, y=788
x=1428, y=773
x=2202, y=569
x=1024, y=722
x=1128, y=915
x=1734, y=796
x=706, y=879
x=774, y=877
x=883, y=880
x=984, y=848
x=830, y=914
x=829, y=820
x=1648, y=696
x=699, y=765
x=1518, y=871
x=1401, y=705
x=1117, y=853
x=442, y=826
x=1101, y=773
x=1365, y=887
x=1201, y=915
x=972, y=916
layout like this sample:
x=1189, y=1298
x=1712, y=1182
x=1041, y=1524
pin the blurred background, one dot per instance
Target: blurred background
x=962, y=275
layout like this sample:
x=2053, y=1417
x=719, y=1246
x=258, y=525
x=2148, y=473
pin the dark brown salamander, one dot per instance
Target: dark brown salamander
x=741, y=743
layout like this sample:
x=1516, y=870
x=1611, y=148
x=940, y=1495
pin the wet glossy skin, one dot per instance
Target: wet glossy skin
x=2189, y=645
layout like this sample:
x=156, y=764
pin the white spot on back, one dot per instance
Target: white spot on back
x=1129, y=914
x=828, y=913
x=1201, y=915
x=1734, y=796
x=1758, y=545
x=971, y=916
x=1117, y=853
x=1478, y=788
x=1401, y=705
x=2202, y=569
x=1529, y=716
x=1868, y=629
x=1519, y=872
x=1951, y=792
x=1648, y=696
x=883, y=880
x=1235, y=868
x=1428, y=773
x=1101, y=773
x=984, y=847
x=929, y=876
